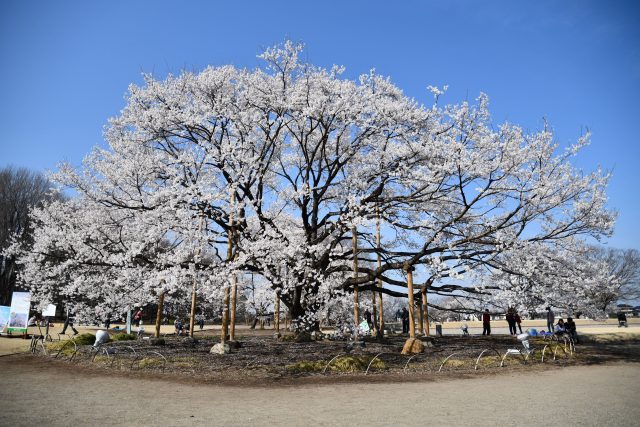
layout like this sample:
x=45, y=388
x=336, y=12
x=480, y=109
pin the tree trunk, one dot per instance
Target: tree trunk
x=7, y=279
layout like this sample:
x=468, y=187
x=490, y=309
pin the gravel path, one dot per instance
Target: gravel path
x=34, y=393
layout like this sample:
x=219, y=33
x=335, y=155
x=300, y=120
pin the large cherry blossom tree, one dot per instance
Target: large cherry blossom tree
x=287, y=162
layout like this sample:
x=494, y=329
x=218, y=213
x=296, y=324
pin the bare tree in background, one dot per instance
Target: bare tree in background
x=624, y=268
x=20, y=190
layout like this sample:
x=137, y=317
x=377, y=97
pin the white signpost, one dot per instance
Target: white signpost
x=19, y=313
x=4, y=316
x=50, y=311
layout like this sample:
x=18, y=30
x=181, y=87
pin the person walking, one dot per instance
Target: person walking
x=486, y=322
x=405, y=320
x=518, y=321
x=551, y=318
x=68, y=322
x=511, y=320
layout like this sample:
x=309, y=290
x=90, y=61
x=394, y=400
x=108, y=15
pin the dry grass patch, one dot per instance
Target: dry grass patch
x=149, y=362
x=340, y=364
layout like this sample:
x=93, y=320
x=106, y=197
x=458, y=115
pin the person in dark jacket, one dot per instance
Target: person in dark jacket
x=486, y=322
x=405, y=320
x=518, y=321
x=551, y=318
x=68, y=322
x=511, y=320
x=570, y=327
x=622, y=319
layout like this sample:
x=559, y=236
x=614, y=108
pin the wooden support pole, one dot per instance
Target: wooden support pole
x=356, y=302
x=379, y=246
x=194, y=289
x=420, y=317
x=159, y=314
x=234, y=297
x=225, y=302
x=276, y=321
x=234, y=285
x=425, y=310
x=412, y=327
x=374, y=303
x=192, y=317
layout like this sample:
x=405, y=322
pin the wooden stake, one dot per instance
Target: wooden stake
x=412, y=327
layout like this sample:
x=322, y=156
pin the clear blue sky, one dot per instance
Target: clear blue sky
x=65, y=66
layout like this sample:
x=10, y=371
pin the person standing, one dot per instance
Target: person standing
x=518, y=321
x=138, y=317
x=486, y=322
x=405, y=320
x=551, y=318
x=622, y=319
x=367, y=317
x=511, y=320
x=178, y=325
x=107, y=321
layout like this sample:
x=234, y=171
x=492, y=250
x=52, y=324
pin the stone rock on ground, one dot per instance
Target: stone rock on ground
x=413, y=346
x=220, y=349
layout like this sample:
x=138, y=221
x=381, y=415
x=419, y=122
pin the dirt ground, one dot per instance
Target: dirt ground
x=254, y=385
x=60, y=394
